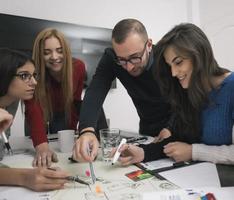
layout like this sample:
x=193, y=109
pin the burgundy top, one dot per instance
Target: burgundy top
x=33, y=110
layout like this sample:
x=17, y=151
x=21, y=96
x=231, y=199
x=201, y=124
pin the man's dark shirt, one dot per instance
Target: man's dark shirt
x=144, y=91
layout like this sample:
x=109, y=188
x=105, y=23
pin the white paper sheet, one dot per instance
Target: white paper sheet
x=197, y=175
x=13, y=193
x=157, y=164
x=111, y=179
x=190, y=194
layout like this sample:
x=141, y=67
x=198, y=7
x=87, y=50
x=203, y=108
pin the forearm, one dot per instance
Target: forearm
x=217, y=154
x=35, y=122
x=91, y=109
x=96, y=93
x=171, y=123
x=12, y=176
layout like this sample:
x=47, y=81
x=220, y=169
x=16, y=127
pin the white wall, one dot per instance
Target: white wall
x=218, y=23
x=157, y=15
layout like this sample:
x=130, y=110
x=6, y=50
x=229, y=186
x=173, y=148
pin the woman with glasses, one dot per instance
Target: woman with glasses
x=18, y=79
x=201, y=94
x=58, y=95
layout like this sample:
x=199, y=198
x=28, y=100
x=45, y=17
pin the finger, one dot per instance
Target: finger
x=168, y=150
x=169, y=155
x=84, y=152
x=125, y=160
x=76, y=153
x=94, y=150
x=34, y=163
x=124, y=147
x=48, y=160
x=44, y=159
x=48, y=187
x=53, y=168
x=54, y=173
x=54, y=157
x=38, y=162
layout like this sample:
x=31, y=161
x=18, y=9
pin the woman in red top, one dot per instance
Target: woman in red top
x=58, y=93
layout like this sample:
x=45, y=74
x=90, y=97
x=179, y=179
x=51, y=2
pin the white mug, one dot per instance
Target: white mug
x=66, y=140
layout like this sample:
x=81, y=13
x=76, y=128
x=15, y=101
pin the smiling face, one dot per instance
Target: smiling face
x=181, y=67
x=133, y=49
x=53, y=55
x=22, y=89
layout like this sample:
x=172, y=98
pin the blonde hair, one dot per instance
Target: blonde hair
x=42, y=92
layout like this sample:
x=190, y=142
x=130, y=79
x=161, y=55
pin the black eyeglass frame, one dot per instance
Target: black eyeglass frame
x=133, y=60
x=27, y=77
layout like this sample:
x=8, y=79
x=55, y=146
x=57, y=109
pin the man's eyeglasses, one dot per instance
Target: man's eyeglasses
x=134, y=59
x=26, y=77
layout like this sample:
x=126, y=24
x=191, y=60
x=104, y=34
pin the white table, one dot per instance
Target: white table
x=113, y=182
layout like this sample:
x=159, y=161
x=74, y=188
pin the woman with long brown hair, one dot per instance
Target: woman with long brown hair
x=201, y=94
x=58, y=95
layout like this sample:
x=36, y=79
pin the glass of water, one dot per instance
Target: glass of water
x=109, y=139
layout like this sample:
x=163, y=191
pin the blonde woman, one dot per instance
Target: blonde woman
x=58, y=94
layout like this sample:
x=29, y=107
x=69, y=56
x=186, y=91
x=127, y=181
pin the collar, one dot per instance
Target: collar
x=150, y=61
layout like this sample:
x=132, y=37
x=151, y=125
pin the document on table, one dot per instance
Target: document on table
x=197, y=175
x=157, y=164
x=12, y=193
x=191, y=194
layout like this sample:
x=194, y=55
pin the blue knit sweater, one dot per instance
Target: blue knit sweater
x=218, y=116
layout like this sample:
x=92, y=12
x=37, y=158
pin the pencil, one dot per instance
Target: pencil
x=91, y=168
x=72, y=178
x=76, y=179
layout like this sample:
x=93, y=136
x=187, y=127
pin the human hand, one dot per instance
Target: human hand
x=179, y=151
x=5, y=120
x=164, y=133
x=130, y=154
x=43, y=179
x=44, y=156
x=82, y=144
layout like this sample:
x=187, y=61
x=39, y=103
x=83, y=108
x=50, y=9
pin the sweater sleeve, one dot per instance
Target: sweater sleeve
x=34, y=119
x=223, y=154
x=96, y=92
x=78, y=84
x=154, y=151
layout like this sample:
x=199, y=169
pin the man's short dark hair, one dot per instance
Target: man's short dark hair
x=126, y=26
